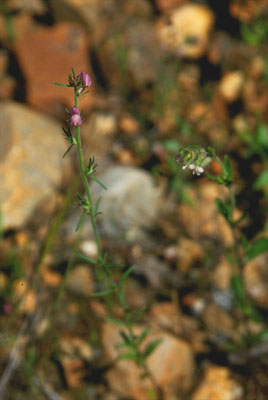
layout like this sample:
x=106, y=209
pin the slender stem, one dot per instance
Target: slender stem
x=86, y=186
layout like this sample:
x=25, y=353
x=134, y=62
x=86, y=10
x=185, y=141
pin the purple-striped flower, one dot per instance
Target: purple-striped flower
x=76, y=120
x=74, y=110
x=86, y=79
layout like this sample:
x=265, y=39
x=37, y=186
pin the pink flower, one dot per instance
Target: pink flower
x=76, y=120
x=86, y=79
x=74, y=110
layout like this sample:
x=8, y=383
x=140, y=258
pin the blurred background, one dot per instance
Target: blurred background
x=165, y=74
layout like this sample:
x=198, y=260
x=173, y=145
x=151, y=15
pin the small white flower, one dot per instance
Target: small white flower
x=196, y=169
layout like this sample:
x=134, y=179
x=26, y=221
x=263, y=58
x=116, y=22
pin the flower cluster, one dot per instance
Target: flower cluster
x=80, y=82
x=75, y=119
x=195, y=158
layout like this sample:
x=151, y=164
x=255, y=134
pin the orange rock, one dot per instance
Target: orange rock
x=46, y=55
x=51, y=278
x=167, y=5
x=187, y=32
x=230, y=85
x=171, y=364
x=218, y=385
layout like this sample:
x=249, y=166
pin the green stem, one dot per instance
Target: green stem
x=86, y=186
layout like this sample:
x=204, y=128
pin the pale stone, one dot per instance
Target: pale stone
x=171, y=364
x=203, y=220
x=31, y=164
x=256, y=279
x=230, y=85
x=218, y=385
x=187, y=33
x=130, y=204
x=80, y=281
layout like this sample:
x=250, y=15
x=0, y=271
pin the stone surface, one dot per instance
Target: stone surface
x=230, y=85
x=256, y=279
x=171, y=364
x=80, y=281
x=33, y=6
x=142, y=53
x=203, y=218
x=186, y=33
x=167, y=5
x=54, y=51
x=218, y=385
x=130, y=205
x=31, y=164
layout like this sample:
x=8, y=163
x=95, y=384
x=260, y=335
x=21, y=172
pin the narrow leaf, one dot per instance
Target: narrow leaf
x=256, y=248
x=86, y=258
x=60, y=84
x=130, y=355
x=151, y=347
x=80, y=221
x=126, y=274
x=96, y=209
x=143, y=335
x=116, y=321
x=102, y=293
x=98, y=182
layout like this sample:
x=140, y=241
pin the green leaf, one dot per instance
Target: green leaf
x=227, y=166
x=126, y=274
x=98, y=182
x=60, y=84
x=257, y=247
x=262, y=136
x=114, y=265
x=151, y=347
x=96, y=209
x=143, y=335
x=80, y=221
x=105, y=292
x=262, y=180
x=139, y=313
x=237, y=286
x=126, y=338
x=115, y=321
x=86, y=258
x=225, y=209
x=130, y=355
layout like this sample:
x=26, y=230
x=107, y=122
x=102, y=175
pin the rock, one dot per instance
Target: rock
x=203, y=219
x=97, y=134
x=167, y=5
x=56, y=50
x=142, y=53
x=131, y=203
x=186, y=33
x=218, y=385
x=80, y=281
x=31, y=166
x=230, y=85
x=95, y=15
x=256, y=279
x=75, y=346
x=32, y=6
x=222, y=274
x=7, y=87
x=171, y=364
x=188, y=253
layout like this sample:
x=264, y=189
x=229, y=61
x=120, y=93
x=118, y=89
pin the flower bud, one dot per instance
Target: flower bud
x=86, y=79
x=195, y=158
x=76, y=120
x=74, y=110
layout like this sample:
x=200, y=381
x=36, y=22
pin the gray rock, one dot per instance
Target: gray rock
x=31, y=163
x=130, y=205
